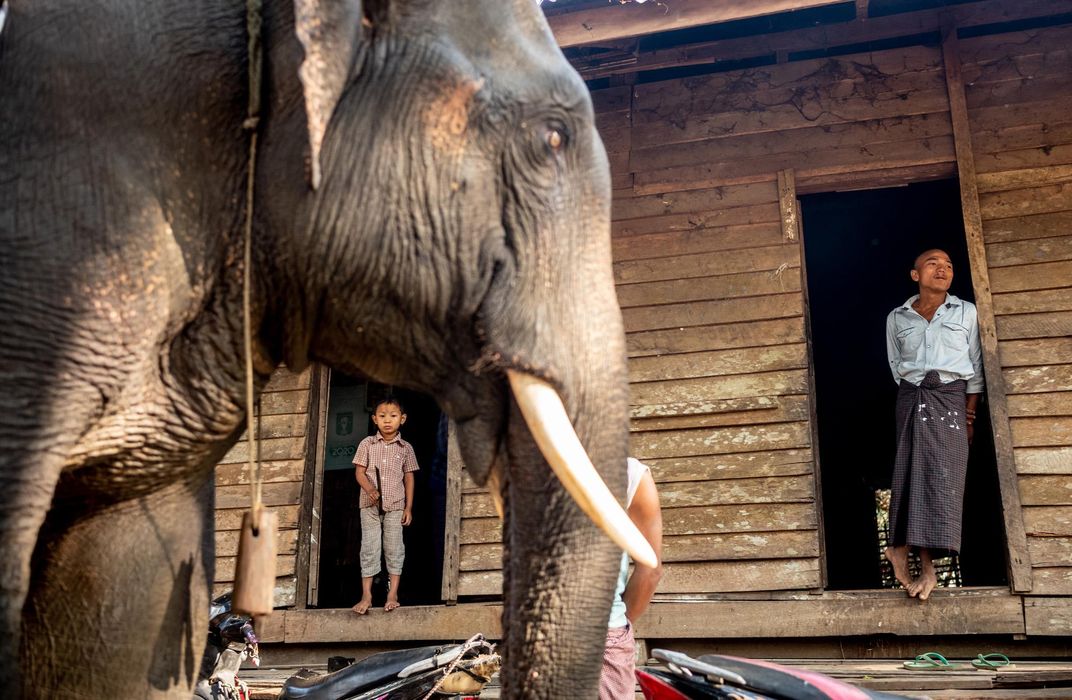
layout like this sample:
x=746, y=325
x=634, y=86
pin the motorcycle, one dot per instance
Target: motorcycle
x=730, y=677
x=459, y=671
x=231, y=641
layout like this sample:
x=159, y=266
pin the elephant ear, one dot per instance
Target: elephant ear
x=329, y=32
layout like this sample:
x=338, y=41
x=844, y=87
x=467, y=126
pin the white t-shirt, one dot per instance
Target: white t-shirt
x=636, y=469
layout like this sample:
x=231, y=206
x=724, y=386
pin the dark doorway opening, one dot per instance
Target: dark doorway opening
x=350, y=405
x=859, y=247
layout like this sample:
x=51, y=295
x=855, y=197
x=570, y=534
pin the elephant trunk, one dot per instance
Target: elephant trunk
x=559, y=574
x=559, y=568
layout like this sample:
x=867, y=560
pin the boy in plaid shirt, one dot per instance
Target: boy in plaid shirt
x=385, y=465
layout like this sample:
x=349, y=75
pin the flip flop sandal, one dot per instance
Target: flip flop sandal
x=932, y=661
x=992, y=662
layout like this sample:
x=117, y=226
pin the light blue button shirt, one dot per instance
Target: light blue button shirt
x=949, y=343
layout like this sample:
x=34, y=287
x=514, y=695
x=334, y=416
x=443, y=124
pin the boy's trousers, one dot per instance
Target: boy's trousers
x=394, y=551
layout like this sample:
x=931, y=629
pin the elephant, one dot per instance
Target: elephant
x=430, y=208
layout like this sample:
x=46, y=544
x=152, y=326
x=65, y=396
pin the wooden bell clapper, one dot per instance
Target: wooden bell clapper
x=254, y=588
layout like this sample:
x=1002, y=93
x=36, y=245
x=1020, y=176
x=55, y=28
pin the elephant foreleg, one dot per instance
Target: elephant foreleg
x=27, y=492
x=120, y=596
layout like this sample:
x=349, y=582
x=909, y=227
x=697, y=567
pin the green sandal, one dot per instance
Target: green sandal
x=992, y=662
x=932, y=661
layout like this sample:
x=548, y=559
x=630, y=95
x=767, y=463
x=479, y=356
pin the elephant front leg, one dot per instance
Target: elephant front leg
x=27, y=493
x=120, y=596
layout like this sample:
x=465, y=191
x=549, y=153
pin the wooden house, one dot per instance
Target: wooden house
x=777, y=165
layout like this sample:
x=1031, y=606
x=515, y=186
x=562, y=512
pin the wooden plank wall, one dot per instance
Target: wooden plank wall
x=1019, y=94
x=283, y=426
x=710, y=290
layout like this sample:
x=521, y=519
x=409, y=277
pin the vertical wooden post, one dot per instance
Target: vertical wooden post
x=453, y=525
x=313, y=446
x=316, y=507
x=1015, y=535
x=787, y=204
x=813, y=419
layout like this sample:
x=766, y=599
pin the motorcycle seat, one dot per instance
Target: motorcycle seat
x=776, y=681
x=367, y=673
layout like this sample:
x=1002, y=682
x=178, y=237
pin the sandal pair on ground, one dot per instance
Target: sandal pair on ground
x=933, y=661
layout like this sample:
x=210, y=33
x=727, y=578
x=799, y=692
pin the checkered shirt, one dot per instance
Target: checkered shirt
x=386, y=464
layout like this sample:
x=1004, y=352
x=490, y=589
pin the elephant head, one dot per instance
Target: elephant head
x=431, y=209
x=459, y=244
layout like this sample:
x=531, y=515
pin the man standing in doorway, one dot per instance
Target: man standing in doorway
x=932, y=342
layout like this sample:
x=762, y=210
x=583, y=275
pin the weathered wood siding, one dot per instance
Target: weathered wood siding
x=711, y=292
x=1019, y=93
x=283, y=426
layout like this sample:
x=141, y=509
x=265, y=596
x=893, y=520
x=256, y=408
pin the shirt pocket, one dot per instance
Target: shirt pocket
x=909, y=339
x=954, y=337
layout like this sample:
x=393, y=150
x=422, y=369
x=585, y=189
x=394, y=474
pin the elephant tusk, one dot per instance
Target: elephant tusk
x=495, y=489
x=554, y=434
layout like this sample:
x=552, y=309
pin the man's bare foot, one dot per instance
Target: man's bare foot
x=390, y=605
x=927, y=580
x=362, y=606
x=898, y=557
x=923, y=585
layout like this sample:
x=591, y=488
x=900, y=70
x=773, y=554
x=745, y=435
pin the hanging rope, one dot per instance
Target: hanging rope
x=253, y=110
x=255, y=568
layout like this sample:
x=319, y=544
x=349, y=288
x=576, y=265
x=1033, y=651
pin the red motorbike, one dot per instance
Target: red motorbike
x=730, y=677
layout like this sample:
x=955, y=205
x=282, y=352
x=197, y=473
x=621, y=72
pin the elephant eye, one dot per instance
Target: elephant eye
x=555, y=139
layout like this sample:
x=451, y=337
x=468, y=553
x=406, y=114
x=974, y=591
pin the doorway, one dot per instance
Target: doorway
x=351, y=401
x=859, y=248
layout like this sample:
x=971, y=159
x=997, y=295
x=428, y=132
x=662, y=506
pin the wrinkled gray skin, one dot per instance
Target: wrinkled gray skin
x=448, y=240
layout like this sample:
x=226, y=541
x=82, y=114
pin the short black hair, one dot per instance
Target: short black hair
x=389, y=400
x=919, y=256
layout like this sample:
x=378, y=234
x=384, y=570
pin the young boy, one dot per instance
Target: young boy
x=385, y=465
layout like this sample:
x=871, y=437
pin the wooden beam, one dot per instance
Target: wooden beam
x=825, y=36
x=788, y=205
x=1048, y=616
x=411, y=623
x=603, y=24
x=316, y=503
x=453, y=518
x=947, y=612
x=944, y=613
x=307, y=542
x=813, y=417
x=1016, y=538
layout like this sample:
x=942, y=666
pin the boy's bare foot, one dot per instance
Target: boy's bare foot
x=390, y=605
x=898, y=556
x=362, y=606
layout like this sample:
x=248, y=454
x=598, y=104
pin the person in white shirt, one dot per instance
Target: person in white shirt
x=633, y=593
x=932, y=342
